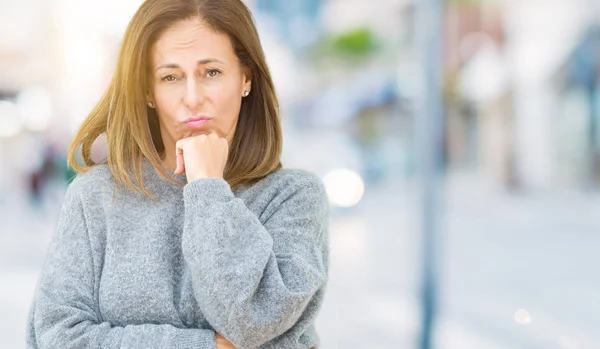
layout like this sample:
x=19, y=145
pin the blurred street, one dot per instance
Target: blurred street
x=513, y=128
x=547, y=244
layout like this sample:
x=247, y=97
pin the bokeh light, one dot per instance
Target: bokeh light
x=345, y=188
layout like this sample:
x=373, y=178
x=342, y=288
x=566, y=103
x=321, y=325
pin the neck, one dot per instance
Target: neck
x=169, y=160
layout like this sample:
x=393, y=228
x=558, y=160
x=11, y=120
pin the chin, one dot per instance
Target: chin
x=198, y=133
x=194, y=133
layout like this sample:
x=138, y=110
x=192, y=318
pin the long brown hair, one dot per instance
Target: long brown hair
x=131, y=127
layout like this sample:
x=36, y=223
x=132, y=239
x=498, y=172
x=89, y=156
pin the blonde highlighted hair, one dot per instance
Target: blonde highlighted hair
x=132, y=129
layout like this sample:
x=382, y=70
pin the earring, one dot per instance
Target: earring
x=151, y=105
x=246, y=93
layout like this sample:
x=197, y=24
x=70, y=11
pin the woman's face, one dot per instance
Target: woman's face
x=197, y=82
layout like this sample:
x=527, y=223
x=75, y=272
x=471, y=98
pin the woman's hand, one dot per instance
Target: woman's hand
x=202, y=156
x=223, y=343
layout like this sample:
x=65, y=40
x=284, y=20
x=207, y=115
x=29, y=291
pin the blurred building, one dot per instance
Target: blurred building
x=503, y=109
x=297, y=22
x=577, y=85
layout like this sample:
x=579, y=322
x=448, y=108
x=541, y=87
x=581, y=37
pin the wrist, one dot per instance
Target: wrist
x=192, y=178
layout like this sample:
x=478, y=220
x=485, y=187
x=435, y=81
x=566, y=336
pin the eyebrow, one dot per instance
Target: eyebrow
x=200, y=62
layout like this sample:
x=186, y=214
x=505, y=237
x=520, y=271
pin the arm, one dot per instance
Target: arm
x=253, y=281
x=64, y=311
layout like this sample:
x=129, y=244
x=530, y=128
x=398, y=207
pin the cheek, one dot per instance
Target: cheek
x=227, y=103
x=166, y=102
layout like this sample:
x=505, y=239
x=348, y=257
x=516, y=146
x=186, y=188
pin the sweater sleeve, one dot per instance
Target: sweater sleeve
x=64, y=312
x=254, y=281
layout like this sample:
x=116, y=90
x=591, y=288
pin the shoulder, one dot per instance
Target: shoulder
x=293, y=180
x=86, y=193
x=298, y=190
x=88, y=183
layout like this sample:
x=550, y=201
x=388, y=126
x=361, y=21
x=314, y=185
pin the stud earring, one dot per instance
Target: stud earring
x=246, y=93
x=151, y=105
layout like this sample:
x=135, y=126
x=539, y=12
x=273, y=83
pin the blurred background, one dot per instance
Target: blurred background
x=518, y=210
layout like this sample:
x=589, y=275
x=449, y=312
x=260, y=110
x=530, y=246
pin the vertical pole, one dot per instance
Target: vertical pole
x=429, y=131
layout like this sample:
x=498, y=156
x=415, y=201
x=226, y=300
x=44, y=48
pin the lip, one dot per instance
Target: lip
x=197, y=121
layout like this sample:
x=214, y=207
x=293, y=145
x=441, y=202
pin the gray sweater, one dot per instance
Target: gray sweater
x=124, y=271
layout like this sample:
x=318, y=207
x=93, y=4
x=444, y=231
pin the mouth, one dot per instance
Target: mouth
x=197, y=121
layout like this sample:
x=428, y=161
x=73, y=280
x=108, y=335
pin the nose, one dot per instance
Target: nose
x=194, y=94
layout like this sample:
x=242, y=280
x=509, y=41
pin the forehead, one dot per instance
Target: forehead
x=191, y=39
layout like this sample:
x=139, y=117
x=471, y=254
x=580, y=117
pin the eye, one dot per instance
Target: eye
x=169, y=78
x=212, y=73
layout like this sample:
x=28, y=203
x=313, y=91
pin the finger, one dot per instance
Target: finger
x=226, y=150
x=180, y=166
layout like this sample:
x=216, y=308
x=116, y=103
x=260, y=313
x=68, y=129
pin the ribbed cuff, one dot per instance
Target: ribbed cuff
x=196, y=339
x=208, y=190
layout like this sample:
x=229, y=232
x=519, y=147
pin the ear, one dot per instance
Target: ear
x=246, y=79
x=149, y=90
x=149, y=96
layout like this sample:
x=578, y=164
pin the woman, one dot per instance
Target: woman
x=189, y=235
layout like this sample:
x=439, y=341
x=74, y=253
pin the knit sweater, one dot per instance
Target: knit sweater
x=126, y=271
